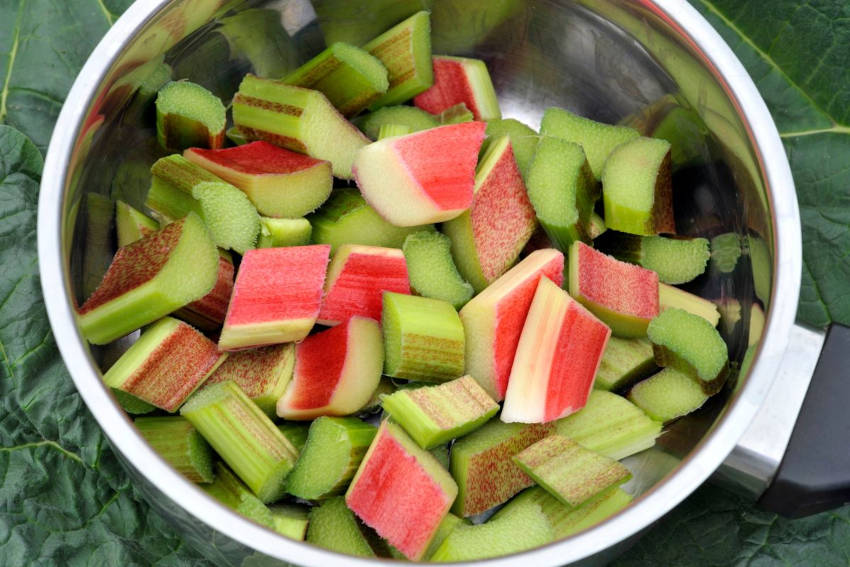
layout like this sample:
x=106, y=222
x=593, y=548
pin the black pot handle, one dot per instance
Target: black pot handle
x=814, y=474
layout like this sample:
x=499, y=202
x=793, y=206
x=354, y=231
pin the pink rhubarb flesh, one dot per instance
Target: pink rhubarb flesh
x=276, y=297
x=460, y=80
x=357, y=277
x=557, y=358
x=423, y=177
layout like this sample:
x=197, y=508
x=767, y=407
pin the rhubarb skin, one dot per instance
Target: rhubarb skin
x=179, y=443
x=401, y=491
x=208, y=312
x=336, y=371
x=493, y=319
x=357, y=277
x=487, y=239
x=276, y=297
x=279, y=182
x=460, y=80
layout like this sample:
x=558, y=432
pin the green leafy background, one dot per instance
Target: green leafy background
x=64, y=499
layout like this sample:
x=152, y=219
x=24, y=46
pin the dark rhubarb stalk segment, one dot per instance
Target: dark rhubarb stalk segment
x=568, y=471
x=208, y=312
x=556, y=360
x=460, y=80
x=333, y=452
x=622, y=295
x=434, y=415
x=482, y=466
x=276, y=297
x=336, y=371
x=279, y=182
x=298, y=119
x=179, y=443
x=188, y=115
x=231, y=492
x=487, y=239
x=149, y=279
x=493, y=320
x=357, y=277
x=262, y=373
x=401, y=491
x=168, y=362
x=245, y=438
x=431, y=172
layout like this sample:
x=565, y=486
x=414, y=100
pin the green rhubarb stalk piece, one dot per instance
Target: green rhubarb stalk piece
x=523, y=140
x=179, y=187
x=447, y=526
x=188, y=115
x=169, y=361
x=673, y=297
x=725, y=252
x=284, y=232
x=385, y=388
x=414, y=118
x=261, y=373
x=390, y=130
x=231, y=492
x=299, y=119
x=179, y=443
x=511, y=530
x=295, y=432
x=638, y=191
x=131, y=404
x=596, y=226
x=290, y=520
x=350, y=77
x=132, y=224
x=423, y=338
x=692, y=345
x=98, y=241
x=333, y=526
x=456, y=114
x=623, y=362
x=611, y=426
x=482, y=467
x=668, y=394
x=207, y=313
x=405, y=50
x=333, y=451
x=562, y=191
x=243, y=436
x=675, y=260
x=149, y=279
x=431, y=269
x=568, y=471
x=597, y=139
x=434, y=415
x=441, y=454
x=346, y=219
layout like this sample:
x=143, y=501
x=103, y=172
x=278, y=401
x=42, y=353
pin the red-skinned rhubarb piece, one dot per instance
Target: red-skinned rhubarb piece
x=401, y=491
x=336, y=371
x=423, y=177
x=624, y=296
x=262, y=373
x=460, y=80
x=207, y=313
x=279, y=182
x=493, y=319
x=556, y=360
x=276, y=297
x=357, y=277
x=168, y=362
x=487, y=239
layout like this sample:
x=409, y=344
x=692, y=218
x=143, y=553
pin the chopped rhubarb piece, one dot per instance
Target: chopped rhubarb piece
x=432, y=270
x=357, y=277
x=669, y=296
x=336, y=371
x=390, y=130
x=168, y=362
x=523, y=141
x=290, y=520
x=431, y=172
x=262, y=373
x=401, y=491
x=487, y=239
x=149, y=279
x=333, y=526
x=556, y=360
x=434, y=415
x=482, y=466
x=179, y=443
x=460, y=80
x=667, y=395
x=231, y=492
x=276, y=297
x=207, y=313
x=675, y=260
x=456, y=114
x=132, y=224
x=493, y=319
x=622, y=295
x=423, y=338
x=275, y=233
x=245, y=438
x=279, y=182
x=295, y=432
x=623, y=362
x=414, y=118
x=188, y=115
x=334, y=449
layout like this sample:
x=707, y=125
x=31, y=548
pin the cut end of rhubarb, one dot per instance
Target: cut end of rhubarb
x=460, y=80
x=188, y=115
x=432, y=271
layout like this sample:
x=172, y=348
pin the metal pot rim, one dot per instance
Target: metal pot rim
x=651, y=506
